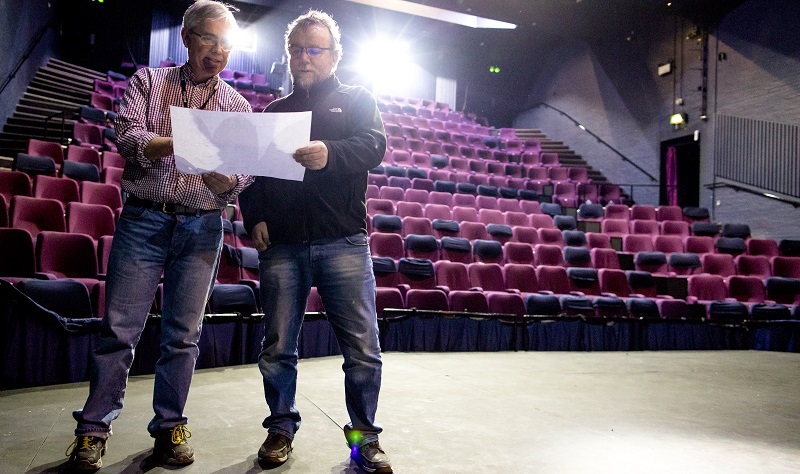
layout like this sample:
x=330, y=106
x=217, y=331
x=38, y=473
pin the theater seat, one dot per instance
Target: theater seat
x=67, y=298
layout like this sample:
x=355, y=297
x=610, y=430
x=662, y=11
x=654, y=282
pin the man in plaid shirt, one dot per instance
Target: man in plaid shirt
x=171, y=224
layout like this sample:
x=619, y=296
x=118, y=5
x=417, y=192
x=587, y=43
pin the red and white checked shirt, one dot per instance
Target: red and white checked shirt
x=144, y=115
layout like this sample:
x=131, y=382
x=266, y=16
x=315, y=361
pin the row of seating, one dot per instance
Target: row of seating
x=415, y=101
x=65, y=255
x=536, y=215
x=75, y=153
x=64, y=187
x=688, y=251
x=418, y=122
x=424, y=168
x=474, y=149
x=495, y=186
x=520, y=289
x=92, y=215
x=479, y=166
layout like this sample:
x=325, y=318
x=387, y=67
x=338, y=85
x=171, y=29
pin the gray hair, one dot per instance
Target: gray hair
x=316, y=17
x=208, y=10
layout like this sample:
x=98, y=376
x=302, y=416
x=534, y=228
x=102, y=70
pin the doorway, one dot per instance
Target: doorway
x=680, y=172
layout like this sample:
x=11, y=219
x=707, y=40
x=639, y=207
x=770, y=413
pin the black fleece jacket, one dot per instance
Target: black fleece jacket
x=331, y=202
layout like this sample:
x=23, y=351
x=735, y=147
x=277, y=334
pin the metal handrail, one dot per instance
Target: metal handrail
x=63, y=115
x=608, y=145
x=26, y=55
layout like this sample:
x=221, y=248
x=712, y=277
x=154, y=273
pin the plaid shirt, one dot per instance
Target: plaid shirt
x=144, y=115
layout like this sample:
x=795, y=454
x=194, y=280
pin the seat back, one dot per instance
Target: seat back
x=422, y=246
x=753, y=265
x=386, y=245
x=100, y=193
x=553, y=278
x=45, y=148
x=522, y=277
x=604, y=258
x=548, y=255
x=453, y=275
x=718, y=264
x=36, y=214
x=487, y=251
x=706, y=287
x=614, y=281
x=66, y=255
x=94, y=220
x=519, y=252
x=488, y=276
x=748, y=289
x=16, y=254
x=61, y=189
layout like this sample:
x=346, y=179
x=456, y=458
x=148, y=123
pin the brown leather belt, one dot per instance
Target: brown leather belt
x=169, y=207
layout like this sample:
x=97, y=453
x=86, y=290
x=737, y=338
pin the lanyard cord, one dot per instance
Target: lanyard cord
x=184, y=95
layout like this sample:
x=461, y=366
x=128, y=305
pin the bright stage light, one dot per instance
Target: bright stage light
x=386, y=64
x=244, y=40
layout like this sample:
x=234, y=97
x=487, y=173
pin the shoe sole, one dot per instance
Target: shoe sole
x=177, y=462
x=369, y=470
x=170, y=461
x=275, y=460
x=86, y=466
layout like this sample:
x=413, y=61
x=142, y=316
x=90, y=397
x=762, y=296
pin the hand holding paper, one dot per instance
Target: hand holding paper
x=239, y=143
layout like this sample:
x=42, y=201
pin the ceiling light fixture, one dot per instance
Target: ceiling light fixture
x=440, y=14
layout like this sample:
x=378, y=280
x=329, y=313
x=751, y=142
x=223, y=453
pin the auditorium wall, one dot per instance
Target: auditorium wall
x=20, y=24
x=612, y=87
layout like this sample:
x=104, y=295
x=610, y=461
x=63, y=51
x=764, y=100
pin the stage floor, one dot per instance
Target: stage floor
x=509, y=412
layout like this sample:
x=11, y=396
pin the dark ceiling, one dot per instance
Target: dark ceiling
x=466, y=53
x=552, y=18
x=540, y=22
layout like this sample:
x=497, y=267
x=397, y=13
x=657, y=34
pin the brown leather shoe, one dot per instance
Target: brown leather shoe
x=275, y=449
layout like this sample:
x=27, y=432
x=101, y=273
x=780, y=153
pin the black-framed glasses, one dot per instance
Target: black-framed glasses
x=210, y=40
x=297, y=51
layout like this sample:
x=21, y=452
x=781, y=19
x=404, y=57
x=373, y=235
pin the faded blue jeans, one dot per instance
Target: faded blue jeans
x=341, y=269
x=146, y=244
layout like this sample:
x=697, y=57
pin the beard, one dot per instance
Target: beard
x=305, y=80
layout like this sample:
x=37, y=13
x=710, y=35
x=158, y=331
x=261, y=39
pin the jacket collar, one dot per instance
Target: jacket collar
x=319, y=89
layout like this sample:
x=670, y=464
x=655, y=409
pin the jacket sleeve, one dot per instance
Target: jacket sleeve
x=250, y=200
x=365, y=148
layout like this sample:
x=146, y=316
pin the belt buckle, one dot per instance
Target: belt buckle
x=165, y=209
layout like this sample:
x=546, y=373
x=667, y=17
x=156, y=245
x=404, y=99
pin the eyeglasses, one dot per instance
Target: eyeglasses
x=297, y=51
x=210, y=40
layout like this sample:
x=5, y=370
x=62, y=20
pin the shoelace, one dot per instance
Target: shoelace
x=180, y=434
x=86, y=443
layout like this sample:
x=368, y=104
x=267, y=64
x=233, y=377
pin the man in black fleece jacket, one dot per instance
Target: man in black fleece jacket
x=314, y=233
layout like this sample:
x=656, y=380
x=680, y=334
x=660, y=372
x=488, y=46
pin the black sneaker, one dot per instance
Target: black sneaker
x=275, y=449
x=371, y=458
x=172, y=448
x=87, y=454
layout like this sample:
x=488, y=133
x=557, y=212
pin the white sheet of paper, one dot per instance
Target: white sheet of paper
x=239, y=142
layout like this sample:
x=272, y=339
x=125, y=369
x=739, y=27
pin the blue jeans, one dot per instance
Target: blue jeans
x=147, y=244
x=341, y=269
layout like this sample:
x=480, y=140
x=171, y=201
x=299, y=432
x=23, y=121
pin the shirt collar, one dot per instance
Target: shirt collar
x=189, y=74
